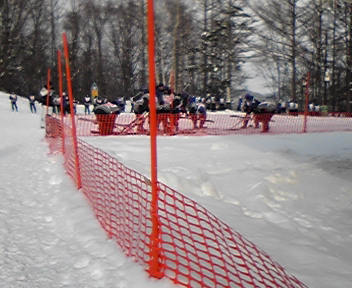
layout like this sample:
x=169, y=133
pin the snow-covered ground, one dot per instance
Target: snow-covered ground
x=49, y=237
x=289, y=194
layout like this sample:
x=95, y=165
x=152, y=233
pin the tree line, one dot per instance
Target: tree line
x=300, y=37
x=205, y=42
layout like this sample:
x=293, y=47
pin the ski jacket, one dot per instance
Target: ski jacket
x=31, y=99
x=13, y=98
x=197, y=108
x=87, y=101
x=141, y=103
x=250, y=106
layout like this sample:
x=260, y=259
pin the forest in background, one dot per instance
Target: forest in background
x=205, y=43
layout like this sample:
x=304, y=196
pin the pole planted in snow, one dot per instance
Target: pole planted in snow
x=306, y=103
x=59, y=65
x=74, y=133
x=48, y=89
x=154, y=267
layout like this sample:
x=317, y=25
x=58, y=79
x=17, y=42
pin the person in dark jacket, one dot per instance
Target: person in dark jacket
x=249, y=106
x=31, y=99
x=141, y=107
x=44, y=99
x=239, y=105
x=160, y=92
x=87, y=102
x=13, y=99
x=263, y=114
x=198, y=112
x=106, y=115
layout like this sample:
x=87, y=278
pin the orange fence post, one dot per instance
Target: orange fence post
x=48, y=92
x=61, y=100
x=74, y=133
x=306, y=104
x=154, y=268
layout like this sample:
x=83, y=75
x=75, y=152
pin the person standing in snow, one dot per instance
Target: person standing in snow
x=263, y=114
x=239, y=105
x=87, y=103
x=163, y=107
x=293, y=108
x=159, y=92
x=249, y=106
x=31, y=99
x=178, y=107
x=13, y=99
x=56, y=104
x=141, y=107
x=198, y=112
x=66, y=103
x=100, y=100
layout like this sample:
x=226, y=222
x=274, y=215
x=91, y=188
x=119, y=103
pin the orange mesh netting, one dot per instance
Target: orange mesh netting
x=214, y=124
x=195, y=248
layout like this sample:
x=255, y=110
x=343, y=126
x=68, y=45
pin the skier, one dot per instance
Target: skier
x=75, y=103
x=198, y=112
x=263, y=113
x=159, y=92
x=239, y=105
x=66, y=103
x=141, y=107
x=13, y=99
x=100, y=100
x=56, y=104
x=178, y=107
x=163, y=108
x=293, y=108
x=106, y=115
x=120, y=101
x=43, y=95
x=87, y=103
x=31, y=99
x=249, y=105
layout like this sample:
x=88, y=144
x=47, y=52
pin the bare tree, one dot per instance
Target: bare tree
x=13, y=19
x=281, y=17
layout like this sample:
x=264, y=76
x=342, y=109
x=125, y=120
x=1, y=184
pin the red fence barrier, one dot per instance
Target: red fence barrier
x=195, y=248
x=215, y=124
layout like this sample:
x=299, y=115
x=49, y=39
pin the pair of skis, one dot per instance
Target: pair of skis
x=126, y=128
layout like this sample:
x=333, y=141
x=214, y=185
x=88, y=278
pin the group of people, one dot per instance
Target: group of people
x=52, y=99
x=169, y=108
x=14, y=106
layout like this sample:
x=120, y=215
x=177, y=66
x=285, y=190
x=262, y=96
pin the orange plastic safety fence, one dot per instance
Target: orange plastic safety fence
x=213, y=124
x=198, y=250
x=120, y=198
x=195, y=248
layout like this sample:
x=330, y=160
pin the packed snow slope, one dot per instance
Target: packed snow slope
x=289, y=194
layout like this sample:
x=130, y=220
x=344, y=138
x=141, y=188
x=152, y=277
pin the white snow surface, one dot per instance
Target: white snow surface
x=289, y=194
